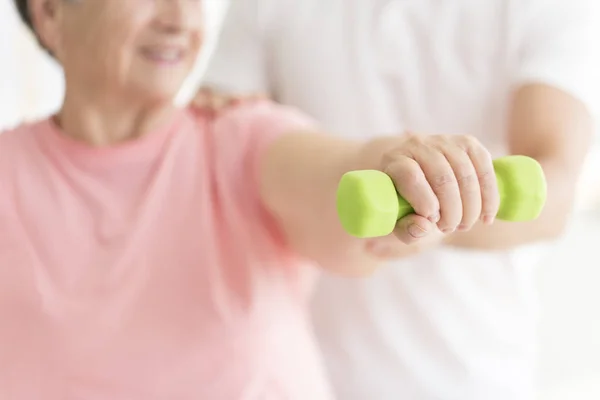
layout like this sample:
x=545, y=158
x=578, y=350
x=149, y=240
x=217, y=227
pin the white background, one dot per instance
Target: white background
x=31, y=86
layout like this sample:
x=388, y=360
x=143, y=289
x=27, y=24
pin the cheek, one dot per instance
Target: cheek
x=98, y=58
x=197, y=45
x=197, y=40
x=112, y=36
x=195, y=26
x=115, y=50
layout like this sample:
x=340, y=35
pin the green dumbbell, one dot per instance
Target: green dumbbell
x=368, y=204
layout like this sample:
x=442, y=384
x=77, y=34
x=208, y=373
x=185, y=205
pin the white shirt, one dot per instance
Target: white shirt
x=447, y=324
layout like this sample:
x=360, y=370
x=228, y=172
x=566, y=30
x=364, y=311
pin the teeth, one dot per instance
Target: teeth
x=164, y=55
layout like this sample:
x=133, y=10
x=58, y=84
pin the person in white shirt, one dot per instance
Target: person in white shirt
x=455, y=319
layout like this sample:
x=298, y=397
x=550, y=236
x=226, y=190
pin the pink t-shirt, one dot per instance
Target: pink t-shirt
x=149, y=270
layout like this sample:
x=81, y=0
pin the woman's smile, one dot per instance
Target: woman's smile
x=168, y=56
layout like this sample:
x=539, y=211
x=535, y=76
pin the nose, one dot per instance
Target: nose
x=175, y=16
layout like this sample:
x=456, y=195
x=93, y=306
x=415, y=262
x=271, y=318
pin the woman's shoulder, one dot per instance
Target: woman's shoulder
x=17, y=145
x=17, y=138
x=249, y=121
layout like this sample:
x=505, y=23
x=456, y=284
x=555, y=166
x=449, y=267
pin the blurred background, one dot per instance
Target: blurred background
x=31, y=86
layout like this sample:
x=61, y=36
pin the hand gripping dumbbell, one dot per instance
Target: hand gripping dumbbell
x=368, y=204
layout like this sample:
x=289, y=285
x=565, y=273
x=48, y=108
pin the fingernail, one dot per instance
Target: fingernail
x=463, y=227
x=488, y=219
x=435, y=218
x=416, y=231
x=448, y=230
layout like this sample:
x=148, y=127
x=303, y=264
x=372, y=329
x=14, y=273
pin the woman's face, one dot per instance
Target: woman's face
x=127, y=47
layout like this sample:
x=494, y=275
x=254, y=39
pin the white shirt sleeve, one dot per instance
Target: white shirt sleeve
x=559, y=45
x=238, y=63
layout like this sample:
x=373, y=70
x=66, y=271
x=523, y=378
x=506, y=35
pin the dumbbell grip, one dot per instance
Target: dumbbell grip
x=369, y=205
x=404, y=207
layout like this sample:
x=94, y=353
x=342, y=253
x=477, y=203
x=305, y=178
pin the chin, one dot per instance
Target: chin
x=160, y=85
x=158, y=95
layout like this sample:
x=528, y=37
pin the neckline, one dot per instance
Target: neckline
x=131, y=151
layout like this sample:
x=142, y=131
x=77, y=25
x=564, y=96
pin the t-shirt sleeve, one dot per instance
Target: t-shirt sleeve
x=558, y=45
x=241, y=137
x=238, y=63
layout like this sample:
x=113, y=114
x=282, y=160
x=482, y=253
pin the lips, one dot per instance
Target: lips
x=164, y=54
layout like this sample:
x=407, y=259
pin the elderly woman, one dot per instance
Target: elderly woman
x=149, y=252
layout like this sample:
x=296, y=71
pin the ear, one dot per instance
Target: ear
x=45, y=17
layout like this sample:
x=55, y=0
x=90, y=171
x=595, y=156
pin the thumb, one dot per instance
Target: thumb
x=414, y=228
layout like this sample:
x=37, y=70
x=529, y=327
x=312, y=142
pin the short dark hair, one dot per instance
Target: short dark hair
x=23, y=9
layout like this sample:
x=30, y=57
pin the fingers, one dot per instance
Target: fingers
x=448, y=180
x=250, y=98
x=442, y=179
x=468, y=186
x=486, y=176
x=210, y=101
x=203, y=99
x=411, y=182
x=414, y=228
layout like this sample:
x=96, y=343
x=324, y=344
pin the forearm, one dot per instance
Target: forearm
x=299, y=180
x=549, y=225
x=555, y=129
